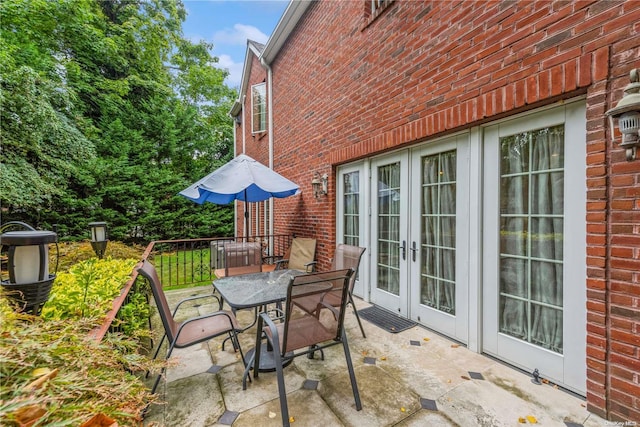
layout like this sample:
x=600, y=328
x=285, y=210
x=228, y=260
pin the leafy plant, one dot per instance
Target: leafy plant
x=71, y=253
x=87, y=289
x=134, y=315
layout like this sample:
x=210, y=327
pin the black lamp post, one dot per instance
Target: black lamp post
x=29, y=281
x=99, y=237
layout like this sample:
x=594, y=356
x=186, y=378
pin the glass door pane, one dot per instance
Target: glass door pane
x=388, y=231
x=438, y=242
x=532, y=237
x=351, y=212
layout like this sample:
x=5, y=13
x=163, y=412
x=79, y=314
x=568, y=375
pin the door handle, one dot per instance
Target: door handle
x=414, y=250
x=404, y=249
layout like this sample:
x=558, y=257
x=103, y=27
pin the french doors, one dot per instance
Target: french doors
x=534, y=244
x=419, y=215
x=481, y=236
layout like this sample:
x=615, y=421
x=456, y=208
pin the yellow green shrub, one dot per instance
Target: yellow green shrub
x=88, y=288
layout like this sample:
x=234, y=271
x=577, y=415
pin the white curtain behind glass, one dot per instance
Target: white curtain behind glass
x=531, y=243
x=351, y=215
x=439, y=231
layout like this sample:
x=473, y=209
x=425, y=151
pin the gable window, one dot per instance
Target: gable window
x=259, y=108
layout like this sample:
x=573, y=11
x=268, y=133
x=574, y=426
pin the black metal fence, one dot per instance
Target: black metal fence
x=190, y=262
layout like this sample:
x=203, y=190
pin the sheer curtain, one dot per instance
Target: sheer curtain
x=389, y=228
x=351, y=217
x=531, y=231
x=439, y=231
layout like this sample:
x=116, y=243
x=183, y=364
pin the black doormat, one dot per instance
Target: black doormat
x=385, y=319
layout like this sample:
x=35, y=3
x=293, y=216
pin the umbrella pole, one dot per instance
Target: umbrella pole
x=246, y=220
x=246, y=215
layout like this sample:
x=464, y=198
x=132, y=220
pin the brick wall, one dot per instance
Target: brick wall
x=347, y=86
x=256, y=144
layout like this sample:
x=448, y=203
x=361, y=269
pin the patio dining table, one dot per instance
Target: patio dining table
x=254, y=291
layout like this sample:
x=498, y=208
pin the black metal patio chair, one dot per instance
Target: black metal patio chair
x=193, y=330
x=311, y=330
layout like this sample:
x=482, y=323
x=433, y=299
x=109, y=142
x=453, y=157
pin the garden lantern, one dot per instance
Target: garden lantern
x=99, y=237
x=29, y=281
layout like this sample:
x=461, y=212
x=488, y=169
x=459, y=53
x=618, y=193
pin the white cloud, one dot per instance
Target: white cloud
x=234, y=68
x=238, y=35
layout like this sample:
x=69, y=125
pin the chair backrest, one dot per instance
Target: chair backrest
x=149, y=272
x=348, y=256
x=242, y=258
x=308, y=319
x=303, y=251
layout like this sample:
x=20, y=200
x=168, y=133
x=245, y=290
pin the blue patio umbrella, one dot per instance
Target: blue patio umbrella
x=244, y=179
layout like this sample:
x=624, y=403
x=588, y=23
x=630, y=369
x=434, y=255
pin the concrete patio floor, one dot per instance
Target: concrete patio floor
x=412, y=378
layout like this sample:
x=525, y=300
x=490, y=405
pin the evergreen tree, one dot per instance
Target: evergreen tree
x=108, y=112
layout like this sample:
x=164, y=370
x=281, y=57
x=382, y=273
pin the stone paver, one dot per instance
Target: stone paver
x=435, y=383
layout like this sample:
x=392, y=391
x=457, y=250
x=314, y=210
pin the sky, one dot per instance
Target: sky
x=227, y=24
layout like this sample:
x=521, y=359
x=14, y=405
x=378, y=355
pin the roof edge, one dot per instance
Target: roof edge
x=285, y=27
x=252, y=50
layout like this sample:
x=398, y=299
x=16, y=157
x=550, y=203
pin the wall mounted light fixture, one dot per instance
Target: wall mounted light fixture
x=320, y=185
x=627, y=114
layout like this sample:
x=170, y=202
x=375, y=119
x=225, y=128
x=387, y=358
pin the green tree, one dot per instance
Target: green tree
x=107, y=113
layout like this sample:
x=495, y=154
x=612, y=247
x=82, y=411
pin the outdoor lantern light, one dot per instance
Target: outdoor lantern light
x=319, y=184
x=29, y=281
x=99, y=237
x=627, y=113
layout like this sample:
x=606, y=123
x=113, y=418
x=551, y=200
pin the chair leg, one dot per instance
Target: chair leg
x=157, y=351
x=246, y=374
x=155, y=385
x=282, y=392
x=236, y=343
x=352, y=374
x=353, y=305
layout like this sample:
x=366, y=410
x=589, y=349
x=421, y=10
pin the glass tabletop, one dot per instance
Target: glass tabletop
x=255, y=289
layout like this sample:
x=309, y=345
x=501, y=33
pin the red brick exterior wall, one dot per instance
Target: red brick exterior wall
x=347, y=85
x=256, y=144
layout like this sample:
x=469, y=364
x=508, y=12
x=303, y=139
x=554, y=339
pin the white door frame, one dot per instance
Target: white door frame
x=455, y=326
x=397, y=303
x=567, y=369
x=362, y=167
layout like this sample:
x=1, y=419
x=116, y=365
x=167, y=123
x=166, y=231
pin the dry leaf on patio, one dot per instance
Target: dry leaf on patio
x=522, y=420
x=292, y=420
x=403, y=409
x=464, y=377
x=455, y=345
x=28, y=415
x=272, y=414
x=383, y=358
x=532, y=419
x=364, y=352
x=448, y=381
x=100, y=420
x=426, y=339
x=40, y=371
